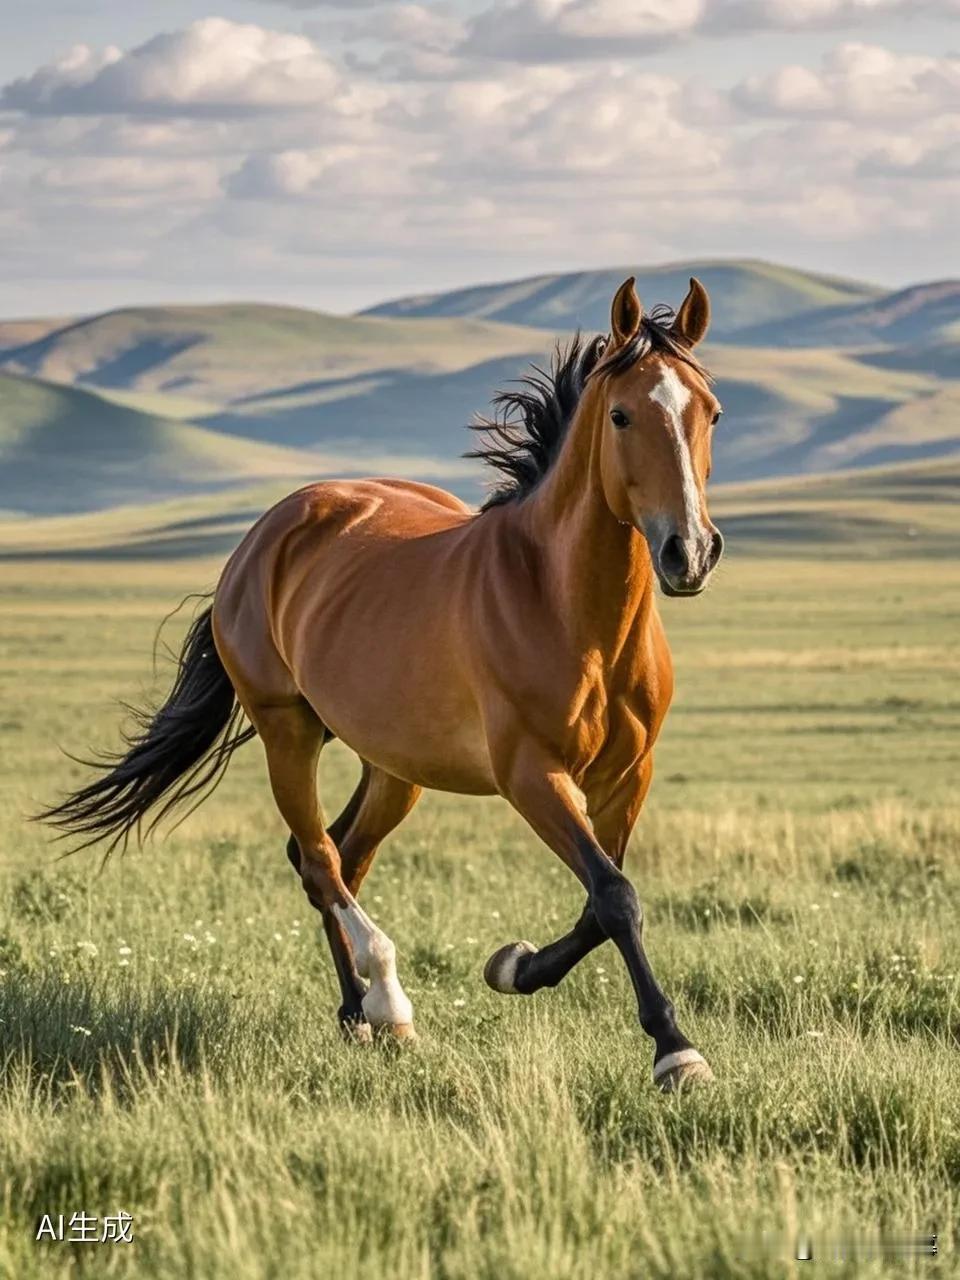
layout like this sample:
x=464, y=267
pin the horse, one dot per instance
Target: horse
x=514, y=650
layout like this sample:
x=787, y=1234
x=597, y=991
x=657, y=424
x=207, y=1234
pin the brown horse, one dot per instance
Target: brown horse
x=516, y=650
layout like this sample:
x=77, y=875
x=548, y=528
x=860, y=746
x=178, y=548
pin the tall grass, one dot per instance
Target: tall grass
x=168, y=1041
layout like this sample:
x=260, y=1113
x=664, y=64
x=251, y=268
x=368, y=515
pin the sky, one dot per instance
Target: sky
x=333, y=153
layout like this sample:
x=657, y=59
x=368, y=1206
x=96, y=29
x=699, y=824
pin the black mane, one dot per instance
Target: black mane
x=523, y=438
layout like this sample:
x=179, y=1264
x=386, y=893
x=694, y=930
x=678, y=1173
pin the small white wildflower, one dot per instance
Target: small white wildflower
x=495, y=915
x=815, y=1035
x=124, y=951
x=814, y=906
x=123, y=961
x=248, y=920
x=81, y=1031
x=278, y=937
x=471, y=942
x=798, y=978
x=459, y=1003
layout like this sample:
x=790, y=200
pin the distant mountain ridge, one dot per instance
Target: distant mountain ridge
x=816, y=374
x=223, y=352
x=921, y=315
x=743, y=293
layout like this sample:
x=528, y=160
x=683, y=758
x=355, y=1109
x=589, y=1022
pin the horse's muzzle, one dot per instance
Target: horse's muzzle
x=683, y=565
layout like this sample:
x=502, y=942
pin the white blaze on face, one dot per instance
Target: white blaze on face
x=376, y=959
x=673, y=396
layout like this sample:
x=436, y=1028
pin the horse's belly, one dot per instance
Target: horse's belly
x=421, y=726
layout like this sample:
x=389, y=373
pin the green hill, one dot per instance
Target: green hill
x=789, y=412
x=66, y=450
x=786, y=412
x=219, y=353
x=17, y=333
x=890, y=511
x=195, y=397
x=925, y=315
x=743, y=293
x=873, y=513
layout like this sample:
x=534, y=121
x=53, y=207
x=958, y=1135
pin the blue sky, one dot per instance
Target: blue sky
x=332, y=154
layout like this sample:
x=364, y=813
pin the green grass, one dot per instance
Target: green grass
x=799, y=865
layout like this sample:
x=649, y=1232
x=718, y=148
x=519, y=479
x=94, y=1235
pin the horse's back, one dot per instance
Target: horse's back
x=395, y=508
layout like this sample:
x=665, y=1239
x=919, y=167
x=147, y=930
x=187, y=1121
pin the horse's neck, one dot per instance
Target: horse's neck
x=599, y=568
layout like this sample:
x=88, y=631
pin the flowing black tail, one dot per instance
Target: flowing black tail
x=177, y=752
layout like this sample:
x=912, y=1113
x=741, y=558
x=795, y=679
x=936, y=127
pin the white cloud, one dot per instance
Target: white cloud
x=858, y=81
x=559, y=30
x=325, y=172
x=211, y=66
x=225, y=152
x=562, y=30
x=112, y=178
x=798, y=15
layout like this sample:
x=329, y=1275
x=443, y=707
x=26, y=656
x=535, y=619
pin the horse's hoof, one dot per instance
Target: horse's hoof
x=356, y=1032
x=680, y=1070
x=399, y=1033
x=500, y=971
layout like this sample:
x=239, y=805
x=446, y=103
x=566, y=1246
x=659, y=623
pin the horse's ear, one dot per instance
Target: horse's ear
x=626, y=312
x=693, y=318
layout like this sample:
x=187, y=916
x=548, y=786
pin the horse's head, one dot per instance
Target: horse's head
x=658, y=416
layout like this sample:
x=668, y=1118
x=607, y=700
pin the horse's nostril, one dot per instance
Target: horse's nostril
x=716, y=548
x=673, y=558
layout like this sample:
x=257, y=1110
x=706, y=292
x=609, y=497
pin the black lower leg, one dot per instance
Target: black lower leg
x=548, y=966
x=618, y=913
x=352, y=989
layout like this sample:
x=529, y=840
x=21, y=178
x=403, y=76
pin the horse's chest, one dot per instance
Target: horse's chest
x=612, y=720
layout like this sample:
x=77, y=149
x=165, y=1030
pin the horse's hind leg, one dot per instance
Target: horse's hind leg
x=378, y=804
x=292, y=737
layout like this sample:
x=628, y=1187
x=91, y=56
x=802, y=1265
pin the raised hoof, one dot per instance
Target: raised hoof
x=500, y=971
x=399, y=1033
x=680, y=1070
x=355, y=1032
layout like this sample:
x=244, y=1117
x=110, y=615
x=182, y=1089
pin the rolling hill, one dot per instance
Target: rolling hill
x=786, y=412
x=896, y=511
x=17, y=333
x=218, y=353
x=744, y=294
x=921, y=316
x=163, y=402
x=66, y=450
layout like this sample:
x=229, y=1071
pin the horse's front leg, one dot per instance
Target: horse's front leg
x=545, y=794
x=520, y=968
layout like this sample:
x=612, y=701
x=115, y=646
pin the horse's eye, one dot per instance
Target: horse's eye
x=716, y=417
x=619, y=419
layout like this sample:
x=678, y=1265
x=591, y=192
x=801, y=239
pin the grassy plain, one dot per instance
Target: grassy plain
x=167, y=1031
